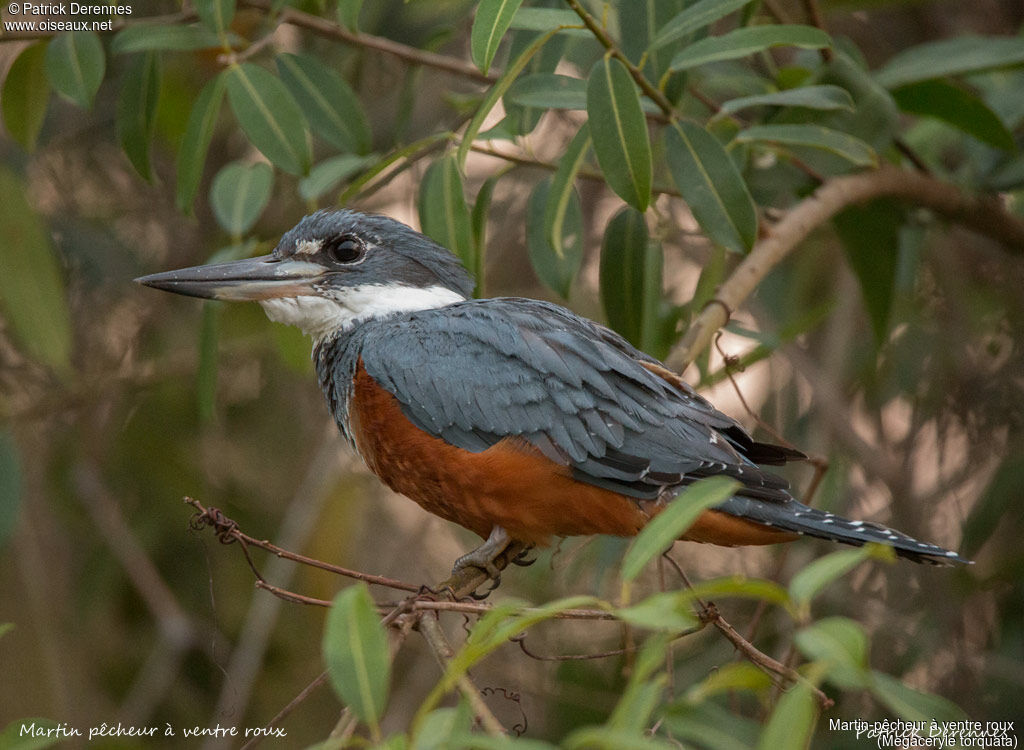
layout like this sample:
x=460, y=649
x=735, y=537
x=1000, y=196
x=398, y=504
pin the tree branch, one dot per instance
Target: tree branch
x=984, y=214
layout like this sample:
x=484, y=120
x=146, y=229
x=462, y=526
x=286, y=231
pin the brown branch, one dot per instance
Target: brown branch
x=228, y=532
x=329, y=29
x=758, y=657
x=984, y=214
x=609, y=44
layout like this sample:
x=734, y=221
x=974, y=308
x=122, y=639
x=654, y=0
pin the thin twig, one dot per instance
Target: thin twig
x=984, y=214
x=228, y=531
x=283, y=713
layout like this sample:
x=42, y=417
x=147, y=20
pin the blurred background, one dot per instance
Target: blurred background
x=121, y=612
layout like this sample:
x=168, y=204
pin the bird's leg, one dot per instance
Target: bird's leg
x=483, y=556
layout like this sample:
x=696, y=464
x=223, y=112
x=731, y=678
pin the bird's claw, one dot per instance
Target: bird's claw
x=521, y=559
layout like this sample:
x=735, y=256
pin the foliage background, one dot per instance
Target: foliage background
x=888, y=344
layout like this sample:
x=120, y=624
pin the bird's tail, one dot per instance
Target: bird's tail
x=796, y=517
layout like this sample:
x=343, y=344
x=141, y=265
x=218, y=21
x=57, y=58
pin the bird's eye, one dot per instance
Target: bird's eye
x=344, y=249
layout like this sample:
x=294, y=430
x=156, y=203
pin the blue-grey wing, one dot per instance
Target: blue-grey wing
x=478, y=372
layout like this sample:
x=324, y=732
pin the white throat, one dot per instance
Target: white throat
x=321, y=316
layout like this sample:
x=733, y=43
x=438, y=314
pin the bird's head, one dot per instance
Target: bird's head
x=331, y=271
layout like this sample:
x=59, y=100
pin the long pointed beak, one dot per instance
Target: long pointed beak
x=265, y=277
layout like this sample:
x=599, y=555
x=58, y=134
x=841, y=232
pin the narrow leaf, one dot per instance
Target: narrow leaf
x=549, y=91
x=843, y=645
x=711, y=185
x=748, y=41
x=444, y=214
x=562, y=189
x=913, y=705
x=206, y=372
x=348, y=14
x=478, y=220
x=495, y=92
x=270, y=117
x=810, y=580
x=792, y=722
x=136, y=110
x=330, y=173
x=669, y=611
x=145, y=37
x=619, y=131
x=958, y=107
x=356, y=653
x=216, y=14
x=854, y=150
x=808, y=97
x=564, y=21
x=31, y=288
x=75, y=64
x=10, y=487
x=556, y=267
x=493, y=17
x=196, y=142
x=698, y=16
x=630, y=277
x=671, y=523
x=26, y=92
x=331, y=105
x=950, y=57
x=871, y=239
x=239, y=194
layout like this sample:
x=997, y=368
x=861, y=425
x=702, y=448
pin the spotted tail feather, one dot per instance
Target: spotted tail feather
x=802, y=519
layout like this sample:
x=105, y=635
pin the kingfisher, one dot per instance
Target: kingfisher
x=514, y=418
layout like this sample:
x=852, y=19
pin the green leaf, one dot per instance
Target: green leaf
x=711, y=185
x=348, y=14
x=808, y=97
x=743, y=587
x=958, y=107
x=548, y=91
x=697, y=16
x=10, y=487
x=603, y=738
x=216, y=14
x=734, y=676
x=563, y=21
x=669, y=611
x=871, y=238
x=136, y=110
x=206, y=372
x=239, y=194
x=854, y=150
x=712, y=727
x=444, y=214
x=671, y=523
x=442, y=726
x=196, y=141
x=631, y=277
x=31, y=287
x=644, y=690
x=562, y=189
x=356, y=653
x=555, y=266
x=810, y=580
x=19, y=734
x=840, y=643
x=792, y=722
x=913, y=705
x=619, y=131
x=748, y=41
x=950, y=57
x=75, y=65
x=493, y=17
x=26, y=92
x=478, y=220
x=495, y=92
x=331, y=105
x=330, y=173
x=143, y=38
x=269, y=116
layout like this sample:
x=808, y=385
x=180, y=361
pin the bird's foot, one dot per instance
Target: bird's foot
x=483, y=558
x=522, y=559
